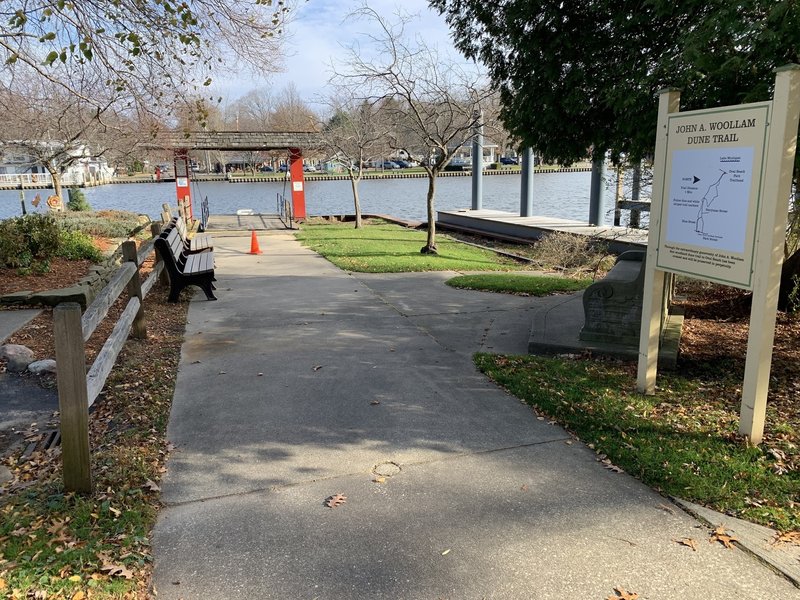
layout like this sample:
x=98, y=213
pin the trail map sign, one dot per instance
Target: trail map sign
x=721, y=184
x=714, y=161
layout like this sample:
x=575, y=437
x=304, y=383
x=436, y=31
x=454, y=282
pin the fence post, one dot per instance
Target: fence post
x=134, y=287
x=73, y=398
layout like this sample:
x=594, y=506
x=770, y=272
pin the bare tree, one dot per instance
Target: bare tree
x=291, y=113
x=432, y=104
x=353, y=136
x=256, y=109
x=57, y=128
x=150, y=51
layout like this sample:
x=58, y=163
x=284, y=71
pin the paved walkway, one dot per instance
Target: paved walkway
x=303, y=381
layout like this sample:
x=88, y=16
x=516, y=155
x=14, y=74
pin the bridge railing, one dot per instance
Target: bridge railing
x=284, y=208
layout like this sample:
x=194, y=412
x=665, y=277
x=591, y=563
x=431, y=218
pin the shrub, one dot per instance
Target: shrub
x=104, y=223
x=76, y=245
x=570, y=253
x=77, y=200
x=24, y=240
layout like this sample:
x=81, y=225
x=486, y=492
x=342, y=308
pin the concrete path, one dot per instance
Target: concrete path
x=303, y=381
x=12, y=320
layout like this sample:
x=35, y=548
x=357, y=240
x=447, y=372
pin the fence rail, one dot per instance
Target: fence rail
x=77, y=389
x=45, y=180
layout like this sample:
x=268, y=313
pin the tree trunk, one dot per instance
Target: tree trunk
x=789, y=294
x=58, y=189
x=430, y=246
x=356, y=201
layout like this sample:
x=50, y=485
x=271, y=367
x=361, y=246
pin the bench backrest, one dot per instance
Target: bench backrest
x=180, y=225
x=175, y=244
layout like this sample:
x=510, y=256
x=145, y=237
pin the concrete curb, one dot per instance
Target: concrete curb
x=756, y=540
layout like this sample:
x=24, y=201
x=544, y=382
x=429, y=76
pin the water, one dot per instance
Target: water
x=564, y=195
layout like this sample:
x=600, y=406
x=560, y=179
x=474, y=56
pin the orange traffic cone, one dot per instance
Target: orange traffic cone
x=254, y=249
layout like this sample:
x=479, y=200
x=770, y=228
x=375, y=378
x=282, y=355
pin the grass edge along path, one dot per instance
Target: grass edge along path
x=68, y=546
x=520, y=285
x=381, y=247
x=683, y=441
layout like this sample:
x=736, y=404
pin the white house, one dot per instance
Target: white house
x=18, y=166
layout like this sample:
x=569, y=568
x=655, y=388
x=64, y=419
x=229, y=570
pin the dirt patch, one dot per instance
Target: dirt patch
x=62, y=273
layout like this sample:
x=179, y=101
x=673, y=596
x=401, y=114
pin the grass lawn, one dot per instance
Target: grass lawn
x=682, y=441
x=521, y=285
x=387, y=248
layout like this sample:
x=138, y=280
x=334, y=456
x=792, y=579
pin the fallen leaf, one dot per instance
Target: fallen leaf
x=667, y=508
x=375, y=402
x=317, y=367
x=222, y=372
x=790, y=537
x=3, y=584
x=623, y=594
x=446, y=552
x=335, y=500
x=75, y=578
x=151, y=485
x=379, y=480
x=688, y=542
x=79, y=595
x=114, y=511
x=116, y=571
x=722, y=536
x=524, y=487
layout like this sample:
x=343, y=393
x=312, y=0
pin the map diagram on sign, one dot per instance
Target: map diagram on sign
x=709, y=197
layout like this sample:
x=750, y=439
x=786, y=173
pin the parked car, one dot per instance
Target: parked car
x=388, y=164
x=508, y=160
x=309, y=168
x=402, y=164
x=283, y=168
x=266, y=169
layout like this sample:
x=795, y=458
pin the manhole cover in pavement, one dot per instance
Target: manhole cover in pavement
x=386, y=469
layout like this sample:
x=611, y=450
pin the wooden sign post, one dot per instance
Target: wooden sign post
x=721, y=186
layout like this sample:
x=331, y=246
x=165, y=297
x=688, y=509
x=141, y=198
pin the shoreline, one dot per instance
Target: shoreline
x=279, y=177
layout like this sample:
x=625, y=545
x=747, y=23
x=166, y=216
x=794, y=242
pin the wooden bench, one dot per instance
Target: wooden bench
x=199, y=242
x=185, y=269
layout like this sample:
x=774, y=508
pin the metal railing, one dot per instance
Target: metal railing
x=285, y=213
x=46, y=180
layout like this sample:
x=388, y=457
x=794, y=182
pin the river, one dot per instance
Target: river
x=563, y=195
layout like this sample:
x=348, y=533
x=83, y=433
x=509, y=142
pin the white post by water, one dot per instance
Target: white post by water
x=477, y=163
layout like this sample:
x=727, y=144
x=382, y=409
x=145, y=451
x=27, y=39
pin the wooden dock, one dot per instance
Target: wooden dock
x=512, y=227
x=254, y=222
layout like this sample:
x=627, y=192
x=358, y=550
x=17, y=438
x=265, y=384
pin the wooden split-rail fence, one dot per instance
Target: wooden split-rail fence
x=77, y=389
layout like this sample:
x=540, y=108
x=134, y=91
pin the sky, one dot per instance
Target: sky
x=318, y=34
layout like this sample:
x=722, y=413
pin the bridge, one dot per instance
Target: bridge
x=182, y=142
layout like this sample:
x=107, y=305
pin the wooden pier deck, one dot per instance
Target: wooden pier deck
x=254, y=222
x=527, y=229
